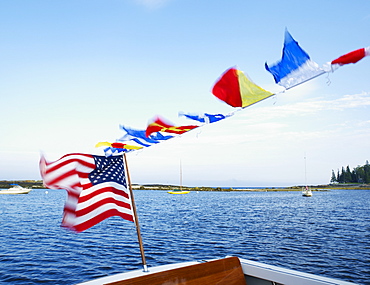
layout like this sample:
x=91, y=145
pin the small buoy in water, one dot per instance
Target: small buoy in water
x=46, y=192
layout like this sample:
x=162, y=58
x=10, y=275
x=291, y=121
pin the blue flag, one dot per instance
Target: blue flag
x=295, y=67
x=140, y=138
x=205, y=118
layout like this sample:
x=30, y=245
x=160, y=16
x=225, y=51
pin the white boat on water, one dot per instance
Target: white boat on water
x=306, y=191
x=225, y=271
x=16, y=189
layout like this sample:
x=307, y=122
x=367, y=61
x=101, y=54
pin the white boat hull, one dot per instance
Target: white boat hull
x=15, y=190
x=255, y=273
x=306, y=192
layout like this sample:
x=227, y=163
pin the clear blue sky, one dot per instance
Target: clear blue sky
x=72, y=71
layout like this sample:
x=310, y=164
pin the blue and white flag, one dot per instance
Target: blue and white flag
x=295, y=67
x=111, y=151
x=140, y=138
x=205, y=118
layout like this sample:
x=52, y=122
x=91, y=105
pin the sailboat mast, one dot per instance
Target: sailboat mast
x=305, y=170
x=180, y=176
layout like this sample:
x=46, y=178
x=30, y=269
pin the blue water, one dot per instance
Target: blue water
x=327, y=234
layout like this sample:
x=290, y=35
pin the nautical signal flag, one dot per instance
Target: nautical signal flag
x=118, y=145
x=160, y=126
x=352, y=57
x=96, y=186
x=139, y=137
x=235, y=89
x=205, y=118
x=295, y=66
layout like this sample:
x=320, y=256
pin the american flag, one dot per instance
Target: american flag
x=96, y=187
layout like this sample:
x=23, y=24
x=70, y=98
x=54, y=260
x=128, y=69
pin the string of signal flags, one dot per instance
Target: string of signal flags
x=237, y=90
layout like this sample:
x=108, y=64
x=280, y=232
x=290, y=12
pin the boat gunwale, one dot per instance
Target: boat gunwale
x=251, y=269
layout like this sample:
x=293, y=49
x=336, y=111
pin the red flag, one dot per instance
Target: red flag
x=352, y=57
x=96, y=187
x=160, y=126
x=227, y=88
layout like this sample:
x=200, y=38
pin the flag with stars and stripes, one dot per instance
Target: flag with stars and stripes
x=96, y=186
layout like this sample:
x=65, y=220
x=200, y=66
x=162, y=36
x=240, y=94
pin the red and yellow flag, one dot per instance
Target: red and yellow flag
x=160, y=126
x=235, y=89
x=117, y=145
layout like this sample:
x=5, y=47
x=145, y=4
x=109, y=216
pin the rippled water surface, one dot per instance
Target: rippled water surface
x=327, y=234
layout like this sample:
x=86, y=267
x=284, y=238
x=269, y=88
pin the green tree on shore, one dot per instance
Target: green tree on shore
x=333, y=177
x=360, y=174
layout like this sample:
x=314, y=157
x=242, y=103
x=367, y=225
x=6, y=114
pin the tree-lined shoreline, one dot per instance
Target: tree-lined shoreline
x=359, y=174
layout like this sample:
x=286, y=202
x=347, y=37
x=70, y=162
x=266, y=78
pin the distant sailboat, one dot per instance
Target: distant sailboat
x=306, y=191
x=179, y=191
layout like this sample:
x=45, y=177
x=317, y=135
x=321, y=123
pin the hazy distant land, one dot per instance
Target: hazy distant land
x=38, y=184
